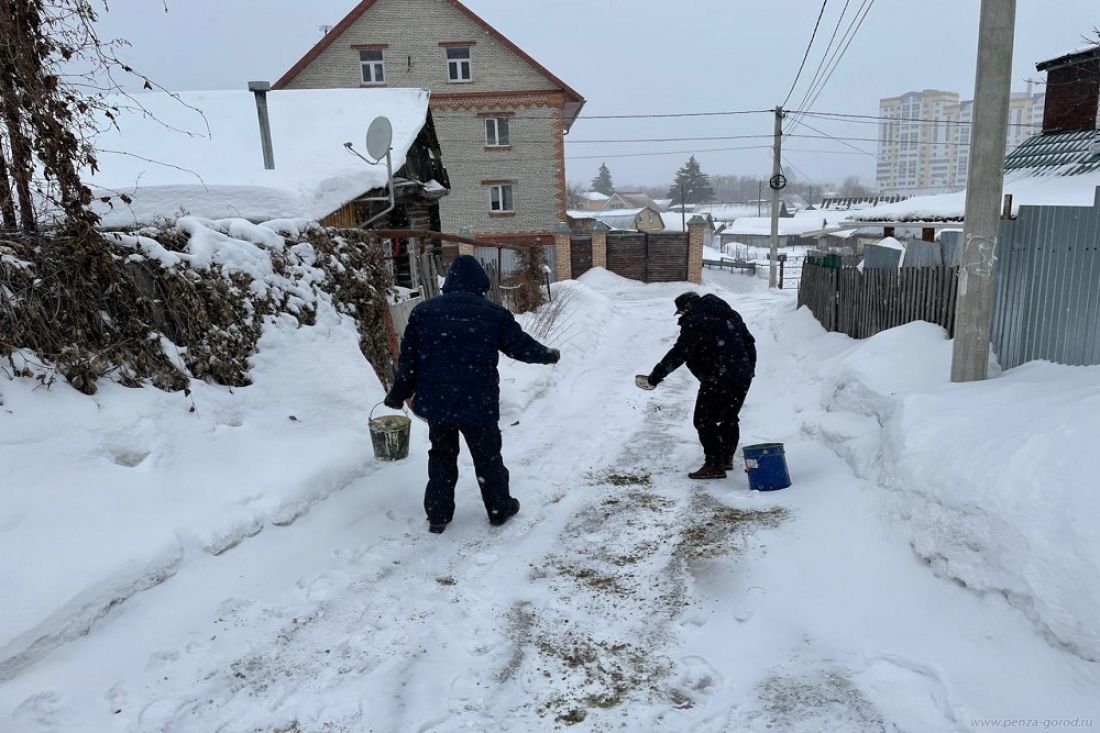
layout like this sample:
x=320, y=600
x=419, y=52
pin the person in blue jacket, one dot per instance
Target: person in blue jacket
x=721, y=353
x=448, y=367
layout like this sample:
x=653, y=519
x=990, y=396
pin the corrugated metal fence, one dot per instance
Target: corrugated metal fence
x=1047, y=302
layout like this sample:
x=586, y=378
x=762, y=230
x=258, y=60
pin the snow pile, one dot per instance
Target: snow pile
x=200, y=153
x=993, y=480
x=149, y=479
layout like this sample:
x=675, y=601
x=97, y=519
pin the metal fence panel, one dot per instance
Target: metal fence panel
x=875, y=256
x=1047, y=297
x=401, y=312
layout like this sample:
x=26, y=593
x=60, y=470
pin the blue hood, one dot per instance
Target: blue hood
x=466, y=276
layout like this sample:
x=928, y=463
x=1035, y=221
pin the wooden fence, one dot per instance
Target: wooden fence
x=863, y=303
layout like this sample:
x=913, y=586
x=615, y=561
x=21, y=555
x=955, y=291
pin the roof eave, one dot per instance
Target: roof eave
x=1068, y=59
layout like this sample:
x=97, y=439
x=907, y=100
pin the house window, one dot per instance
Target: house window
x=500, y=198
x=458, y=64
x=370, y=60
x=496, y=132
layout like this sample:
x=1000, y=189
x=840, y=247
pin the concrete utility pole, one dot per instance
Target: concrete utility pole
x=777, y=172
x=992, y=90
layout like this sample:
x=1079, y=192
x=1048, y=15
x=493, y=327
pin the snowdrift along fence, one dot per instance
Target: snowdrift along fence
x=863, y=303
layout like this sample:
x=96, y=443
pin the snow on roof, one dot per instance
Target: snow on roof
x=792, y=226
x=1052, y=60
x=1046, y=170
x=220, y=173
x=732, y=212
x=594, y=196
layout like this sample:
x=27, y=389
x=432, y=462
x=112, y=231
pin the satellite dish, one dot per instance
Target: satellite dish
x=379, y=138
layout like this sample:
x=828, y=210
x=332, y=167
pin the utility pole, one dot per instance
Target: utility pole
x=992, y=89
x=776, y=185
x=683, y=209
x=759, y=198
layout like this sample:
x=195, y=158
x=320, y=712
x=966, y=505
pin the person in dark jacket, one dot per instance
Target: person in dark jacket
x=721, y=353
x=448, y=367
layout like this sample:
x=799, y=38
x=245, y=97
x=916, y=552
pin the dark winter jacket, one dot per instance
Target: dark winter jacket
x=714, y=342
x=450, y=351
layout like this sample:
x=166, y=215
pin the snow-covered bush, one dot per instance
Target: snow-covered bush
x=187, y=301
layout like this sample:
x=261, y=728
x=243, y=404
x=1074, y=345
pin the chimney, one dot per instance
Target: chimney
x=1073, y=91
x=260, y=89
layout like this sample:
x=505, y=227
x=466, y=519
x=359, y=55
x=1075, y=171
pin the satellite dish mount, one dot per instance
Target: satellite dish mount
x=379, y=143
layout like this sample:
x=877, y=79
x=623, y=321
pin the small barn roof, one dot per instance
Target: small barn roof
x=200, y=152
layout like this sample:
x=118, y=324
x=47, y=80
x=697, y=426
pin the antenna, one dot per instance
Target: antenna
x=379, y=142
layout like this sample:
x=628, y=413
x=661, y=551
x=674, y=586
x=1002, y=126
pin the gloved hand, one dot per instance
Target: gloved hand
x=642, y=382
x=555, y=356
x=392, y=403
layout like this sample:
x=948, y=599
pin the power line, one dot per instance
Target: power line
x=825, y=55
x=840, y=52
x=665, y=115
x=842, y=142
x=874, y=119
x=713, y=138
x=806, y=55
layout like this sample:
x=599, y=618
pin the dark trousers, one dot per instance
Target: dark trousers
x=716, y=418
x=492, y=475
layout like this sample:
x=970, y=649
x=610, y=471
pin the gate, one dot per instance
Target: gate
x=667, y=258
x=626, y=254
x=580, y=254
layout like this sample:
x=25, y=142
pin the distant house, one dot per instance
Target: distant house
x=210, y=162
x=663, y=204
x=497, y=108
x=629, y=200
x=645, y=219
x=593, y=200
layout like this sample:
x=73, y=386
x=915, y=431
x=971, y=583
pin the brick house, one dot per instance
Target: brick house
x=501, y=116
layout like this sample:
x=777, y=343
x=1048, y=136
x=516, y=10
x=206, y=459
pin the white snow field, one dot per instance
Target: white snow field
x=249, y=566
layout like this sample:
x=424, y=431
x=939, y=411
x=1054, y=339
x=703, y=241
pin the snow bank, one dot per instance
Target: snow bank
x=200, y=153
x=103, y=497
x=992, y=481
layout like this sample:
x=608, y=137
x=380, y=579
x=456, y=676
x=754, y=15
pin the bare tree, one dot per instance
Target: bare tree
x=55, y=75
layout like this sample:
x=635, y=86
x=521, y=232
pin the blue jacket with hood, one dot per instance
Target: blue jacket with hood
x=451, y=348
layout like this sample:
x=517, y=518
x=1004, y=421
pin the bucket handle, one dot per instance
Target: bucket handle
x=371, y=415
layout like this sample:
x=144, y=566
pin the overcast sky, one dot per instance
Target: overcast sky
x=645, y=57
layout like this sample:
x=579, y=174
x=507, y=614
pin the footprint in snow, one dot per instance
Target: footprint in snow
x=750, y=603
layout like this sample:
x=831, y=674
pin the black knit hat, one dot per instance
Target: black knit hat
x=684, y=300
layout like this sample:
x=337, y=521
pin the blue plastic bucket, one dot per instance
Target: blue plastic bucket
x=766, y=465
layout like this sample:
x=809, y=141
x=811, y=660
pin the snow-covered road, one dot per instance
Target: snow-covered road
x=622, y=597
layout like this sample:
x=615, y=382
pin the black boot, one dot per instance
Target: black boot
x=437, y=527
x=503, y=517
x=710, y=469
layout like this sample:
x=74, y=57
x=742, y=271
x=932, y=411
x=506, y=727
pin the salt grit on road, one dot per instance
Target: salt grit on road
x=622, y=597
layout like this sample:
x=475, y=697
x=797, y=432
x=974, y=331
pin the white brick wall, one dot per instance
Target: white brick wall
x=413, y=30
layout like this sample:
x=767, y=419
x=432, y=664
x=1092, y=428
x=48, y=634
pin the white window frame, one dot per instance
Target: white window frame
x=498, y=132
x=374, y=68
x=455, y=67
x=498, y=198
